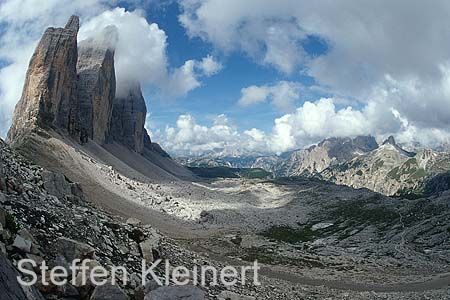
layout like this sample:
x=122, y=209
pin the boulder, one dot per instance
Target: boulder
x=134, y=221
x=2, y=215
x=185, y=292
x=22, y=244
x=71, y=249
x=83, y=281
x=56, y=184
x=2, y=248
x=108, y=292
x=227, y=295
x=27, y=235
x=147, y=250
x=10, y=289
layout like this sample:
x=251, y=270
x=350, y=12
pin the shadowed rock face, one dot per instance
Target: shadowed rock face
x=10, y=289
x=96, y=90
x=49, y=91
x=128, y=118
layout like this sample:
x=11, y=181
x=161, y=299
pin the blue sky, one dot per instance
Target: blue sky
x=219, y=94
x=259, y=76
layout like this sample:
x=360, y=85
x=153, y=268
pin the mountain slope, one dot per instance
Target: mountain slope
x=389, y=170
x=319, y=157
x=70, y=95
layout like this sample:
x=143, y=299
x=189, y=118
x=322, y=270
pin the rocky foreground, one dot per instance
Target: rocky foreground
x=45, y=217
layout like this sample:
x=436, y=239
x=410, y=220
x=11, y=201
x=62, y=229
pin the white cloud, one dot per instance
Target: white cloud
x=146, y=60
x=315, y=121
x=209, y=66
x=188, y=76
x=191, y=138
x=256, y=27
x=182, y=80
x=388, y=55
x=282, y=95
x=253, y=95
x=309, y=124
x=140, y=48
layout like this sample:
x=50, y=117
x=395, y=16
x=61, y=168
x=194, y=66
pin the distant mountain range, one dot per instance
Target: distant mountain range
x=358, y=162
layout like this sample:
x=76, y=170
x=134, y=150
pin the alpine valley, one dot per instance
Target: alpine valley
x=80, y=178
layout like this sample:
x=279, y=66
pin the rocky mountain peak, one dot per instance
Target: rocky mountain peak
x=73, y=24
x=330, y=151
x=71, y=88
x=96, y=89
x=49, y=91
x=390, y=141
x=128, y=118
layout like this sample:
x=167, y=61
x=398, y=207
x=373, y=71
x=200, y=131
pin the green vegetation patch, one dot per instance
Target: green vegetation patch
x=358, y=212
x=379, y=163
x=291, y=235
x=256, y=173
x=11, y=224
x=394, y=173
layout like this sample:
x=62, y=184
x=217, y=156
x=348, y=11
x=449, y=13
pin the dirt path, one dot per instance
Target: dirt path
x=439, y=281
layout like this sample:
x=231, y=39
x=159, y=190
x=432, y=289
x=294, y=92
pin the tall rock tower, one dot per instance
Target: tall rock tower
x=50, y=87
x=128, y=118
x=96, y=89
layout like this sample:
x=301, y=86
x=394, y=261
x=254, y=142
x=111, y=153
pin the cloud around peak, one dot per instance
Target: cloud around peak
x=141, y=54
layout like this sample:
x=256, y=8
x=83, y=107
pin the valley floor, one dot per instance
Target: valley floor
x=314, y=239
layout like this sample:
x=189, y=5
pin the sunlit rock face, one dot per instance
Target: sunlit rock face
x=49, y=94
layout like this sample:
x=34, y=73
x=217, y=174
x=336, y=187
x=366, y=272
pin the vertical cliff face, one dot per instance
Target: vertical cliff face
x=72, y=89
x=96, y=90
x=50, y=85
x=128, y=118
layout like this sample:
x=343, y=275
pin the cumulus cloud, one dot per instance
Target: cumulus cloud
x=307, y=125
x=315, y=121
x=282, y=95
x=253, y=95
x=387, y=55
x=188, y=77
x=209, y=66
x=262, y=29
x=146, y=61
x=222, y=137
x=140, y=46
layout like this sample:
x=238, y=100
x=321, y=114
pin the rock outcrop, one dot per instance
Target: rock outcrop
x=329, y=152
x=389, y=170
x=71, y=88
x=128, y=118
x=10, y=289
x=96, y=90
x=49, y=91
x=68, y=88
